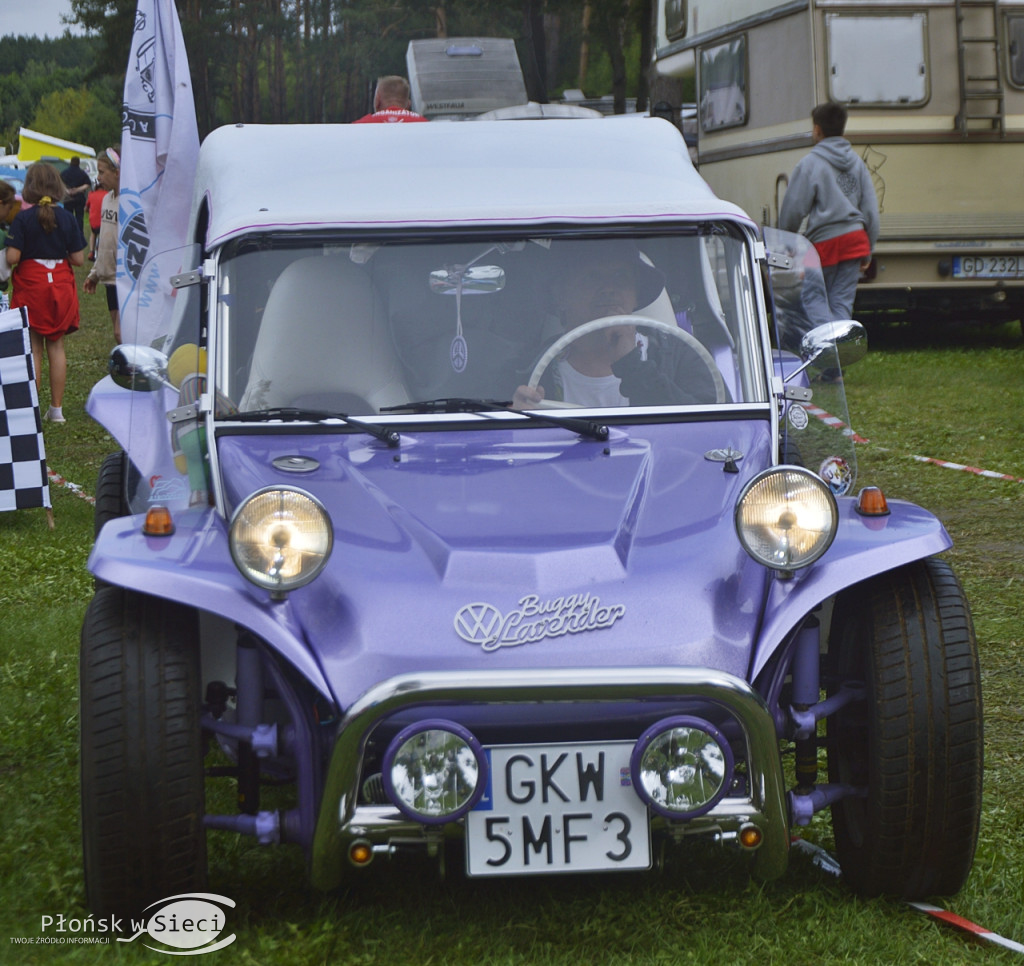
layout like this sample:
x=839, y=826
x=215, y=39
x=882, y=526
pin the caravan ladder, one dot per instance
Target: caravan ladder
x=978, y=59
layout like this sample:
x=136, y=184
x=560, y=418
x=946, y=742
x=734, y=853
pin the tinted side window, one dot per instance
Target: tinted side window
x=675, y=19
x=1015, y=48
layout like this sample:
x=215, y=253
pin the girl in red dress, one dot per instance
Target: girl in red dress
x=44, y=243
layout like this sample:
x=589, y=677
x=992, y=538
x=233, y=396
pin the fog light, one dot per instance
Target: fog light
x=681, y=767
x=435, y=771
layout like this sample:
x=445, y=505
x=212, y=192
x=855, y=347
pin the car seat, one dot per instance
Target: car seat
x=324, y=343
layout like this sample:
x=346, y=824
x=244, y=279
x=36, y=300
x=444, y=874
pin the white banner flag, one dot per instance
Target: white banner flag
x=158, y=164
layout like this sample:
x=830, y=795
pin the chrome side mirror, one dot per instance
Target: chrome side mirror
x=138, y=367
x=848, y=338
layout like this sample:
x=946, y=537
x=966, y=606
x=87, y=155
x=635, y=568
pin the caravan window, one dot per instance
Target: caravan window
x=723, y=85
x=675, y=19
x=878, y=60
x=1015, y=46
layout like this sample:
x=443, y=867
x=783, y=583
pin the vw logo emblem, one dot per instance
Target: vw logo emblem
x=478, y=623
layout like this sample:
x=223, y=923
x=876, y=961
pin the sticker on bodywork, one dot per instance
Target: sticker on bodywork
x=837, y=473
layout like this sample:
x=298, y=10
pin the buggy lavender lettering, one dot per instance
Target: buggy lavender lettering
x=484, y=624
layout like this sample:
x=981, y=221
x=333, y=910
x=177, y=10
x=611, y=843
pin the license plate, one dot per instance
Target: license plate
x=558, y=808
x=988, y=266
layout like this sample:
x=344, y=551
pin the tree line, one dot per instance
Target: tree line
x=311, y=61
x=49, y=86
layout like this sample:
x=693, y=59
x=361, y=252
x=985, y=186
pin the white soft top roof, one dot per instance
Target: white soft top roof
x=501, y=173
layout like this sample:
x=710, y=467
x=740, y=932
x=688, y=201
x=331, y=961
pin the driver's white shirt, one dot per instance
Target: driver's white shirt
x=597, y=391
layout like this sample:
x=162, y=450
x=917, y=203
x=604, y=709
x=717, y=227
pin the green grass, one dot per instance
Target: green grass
x=960, y=400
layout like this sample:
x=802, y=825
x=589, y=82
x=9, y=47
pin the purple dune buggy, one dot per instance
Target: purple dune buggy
x=491, y=490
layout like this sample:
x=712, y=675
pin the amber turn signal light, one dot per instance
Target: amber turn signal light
x=360, y=852
x=750, y=836
x=871, y=502
x=158, y=522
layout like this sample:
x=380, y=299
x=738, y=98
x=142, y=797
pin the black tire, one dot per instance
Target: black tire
x=142, y=780
x=111, y=499
x=916, y=742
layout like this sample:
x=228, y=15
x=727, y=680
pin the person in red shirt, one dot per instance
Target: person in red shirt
x=831, y=188
x=94, y=206
x=391, y=103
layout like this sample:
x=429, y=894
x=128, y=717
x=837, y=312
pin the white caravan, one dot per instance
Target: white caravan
x=935, y=91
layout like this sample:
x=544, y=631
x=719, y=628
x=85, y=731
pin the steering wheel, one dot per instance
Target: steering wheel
x=608, y=322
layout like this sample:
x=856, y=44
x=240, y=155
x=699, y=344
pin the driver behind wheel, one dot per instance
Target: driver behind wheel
x=613, y=366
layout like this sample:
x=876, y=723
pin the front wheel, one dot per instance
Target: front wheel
x=111, y=497
x=142, y=776
x=915, y=744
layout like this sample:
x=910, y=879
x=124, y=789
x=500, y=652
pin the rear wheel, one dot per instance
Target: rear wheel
x=141, y=752
x=915, y=743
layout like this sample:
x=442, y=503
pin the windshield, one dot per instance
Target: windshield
x=583, y=322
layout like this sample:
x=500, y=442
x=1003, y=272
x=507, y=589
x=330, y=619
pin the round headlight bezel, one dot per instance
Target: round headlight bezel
x=782, y=559
x=278, y=585
x=415, y=730
x=665, y=727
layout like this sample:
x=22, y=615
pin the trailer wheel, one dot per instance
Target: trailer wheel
x=142, y=779
x=915, y=743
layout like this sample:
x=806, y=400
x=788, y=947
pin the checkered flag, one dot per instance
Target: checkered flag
x=23, y=479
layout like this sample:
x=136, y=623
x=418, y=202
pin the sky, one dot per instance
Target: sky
x=34, y=17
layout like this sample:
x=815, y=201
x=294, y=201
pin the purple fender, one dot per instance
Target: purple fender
x=112, y=407
x=863, y=548
x=195, y=565
x=142, y=418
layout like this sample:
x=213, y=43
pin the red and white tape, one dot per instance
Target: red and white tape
x=829, y=420
x=828, y=863
x=991, y=474
x=835, y=422
x=75, y=488
x=952, y=919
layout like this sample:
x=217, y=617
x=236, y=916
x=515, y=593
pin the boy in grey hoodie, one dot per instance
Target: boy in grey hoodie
x=831, y=187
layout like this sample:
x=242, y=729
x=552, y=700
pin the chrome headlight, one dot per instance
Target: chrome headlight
x=681, y=766
x=786, y=518
x=435, y=771
x=280, y=538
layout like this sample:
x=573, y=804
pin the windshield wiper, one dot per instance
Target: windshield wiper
x=458, y=404
x=383, y=433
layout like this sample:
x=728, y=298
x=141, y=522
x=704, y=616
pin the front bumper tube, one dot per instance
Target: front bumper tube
x=341, y=819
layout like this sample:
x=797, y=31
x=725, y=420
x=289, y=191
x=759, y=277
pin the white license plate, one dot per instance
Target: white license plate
x=988, y=266
x=558, y=808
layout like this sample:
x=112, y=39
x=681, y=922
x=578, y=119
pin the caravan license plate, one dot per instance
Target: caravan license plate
x=558, y=808
x=988, y=266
